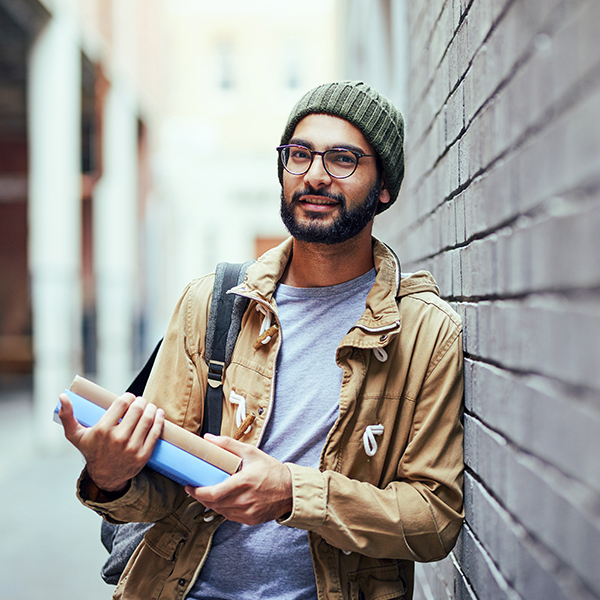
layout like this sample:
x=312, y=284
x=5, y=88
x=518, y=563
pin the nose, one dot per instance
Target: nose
x=317, y=176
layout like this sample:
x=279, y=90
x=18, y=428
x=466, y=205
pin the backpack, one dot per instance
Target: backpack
x=224, y=322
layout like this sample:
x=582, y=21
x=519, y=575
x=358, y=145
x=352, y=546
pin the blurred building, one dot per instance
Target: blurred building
x=235, y=69
x=501, y=203
x=76, y=94
x=137, y=149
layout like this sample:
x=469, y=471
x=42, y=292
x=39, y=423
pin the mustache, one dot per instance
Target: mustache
x=309, y=191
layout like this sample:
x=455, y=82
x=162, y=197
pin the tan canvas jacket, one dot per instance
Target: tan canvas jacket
x=368, y=517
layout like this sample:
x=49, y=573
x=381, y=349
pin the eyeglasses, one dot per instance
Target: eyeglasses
x=338, y=162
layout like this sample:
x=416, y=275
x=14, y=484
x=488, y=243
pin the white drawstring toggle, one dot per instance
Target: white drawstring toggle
x=266, y=322
x=369, y=441
x=380, y=354
x=240, y=413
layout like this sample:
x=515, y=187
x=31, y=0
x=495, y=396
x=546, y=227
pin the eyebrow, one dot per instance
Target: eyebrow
x=311, y=146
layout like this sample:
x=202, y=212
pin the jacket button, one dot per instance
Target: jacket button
x=181, y=582
x=384, y=337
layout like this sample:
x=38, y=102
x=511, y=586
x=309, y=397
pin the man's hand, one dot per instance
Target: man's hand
x=261, y=491
x=120, y=444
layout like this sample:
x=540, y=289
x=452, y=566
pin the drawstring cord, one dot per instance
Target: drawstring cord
x=240, y=414
x=380, y=354
x=369, y=441
x=266, y=329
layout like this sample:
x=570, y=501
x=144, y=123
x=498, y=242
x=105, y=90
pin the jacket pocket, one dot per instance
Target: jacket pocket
x=152, y=563
x=164, y=541
x=383, y=582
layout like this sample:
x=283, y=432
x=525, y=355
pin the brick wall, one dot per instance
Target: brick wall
x=502, y=204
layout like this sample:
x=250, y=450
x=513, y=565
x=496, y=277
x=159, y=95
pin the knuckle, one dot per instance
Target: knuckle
x=149, y=413
x=123, y=401
x=119, y=439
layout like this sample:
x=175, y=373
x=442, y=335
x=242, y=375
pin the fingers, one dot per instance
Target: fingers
x=119, y=409
x=147, y=430
x=238, y=448
x=128, y=420
x=139, y=427
x=260, y=492
x=120, y=444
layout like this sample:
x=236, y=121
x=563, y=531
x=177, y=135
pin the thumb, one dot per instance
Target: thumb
x=70, y=424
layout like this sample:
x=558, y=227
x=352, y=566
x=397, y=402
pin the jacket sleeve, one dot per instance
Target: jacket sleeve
x=176, y=385
x=150, y=498
x=419, y=515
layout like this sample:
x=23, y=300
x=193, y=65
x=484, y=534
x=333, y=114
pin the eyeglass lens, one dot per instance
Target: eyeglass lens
x=338, y=163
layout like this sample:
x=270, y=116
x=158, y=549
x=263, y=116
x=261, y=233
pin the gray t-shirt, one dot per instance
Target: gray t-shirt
x=271, y=561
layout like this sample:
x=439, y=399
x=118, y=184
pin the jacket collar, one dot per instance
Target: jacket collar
x=381, y=319
x=381, y=307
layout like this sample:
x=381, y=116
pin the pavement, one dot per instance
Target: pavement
x=49, y=543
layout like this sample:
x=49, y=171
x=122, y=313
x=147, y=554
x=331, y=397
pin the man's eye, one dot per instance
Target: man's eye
x=342, y=158
x=298, y=154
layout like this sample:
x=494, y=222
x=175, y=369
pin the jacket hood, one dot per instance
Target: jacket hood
x=420, y=281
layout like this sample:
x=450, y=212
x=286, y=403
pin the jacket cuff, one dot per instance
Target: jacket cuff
x=102, y=502
x=309, y=496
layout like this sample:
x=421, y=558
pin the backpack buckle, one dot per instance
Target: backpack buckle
x=216, y=369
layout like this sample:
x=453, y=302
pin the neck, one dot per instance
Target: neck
x=320, y=265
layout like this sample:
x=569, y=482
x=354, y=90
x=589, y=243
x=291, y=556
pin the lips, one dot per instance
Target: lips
x=313, y=201
x=318, y=201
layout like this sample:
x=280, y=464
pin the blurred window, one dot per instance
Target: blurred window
x=226, y=79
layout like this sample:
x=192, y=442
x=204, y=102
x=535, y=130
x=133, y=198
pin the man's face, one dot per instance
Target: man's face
x=318, y=208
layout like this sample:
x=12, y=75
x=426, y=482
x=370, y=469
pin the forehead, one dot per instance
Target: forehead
x=327, y=131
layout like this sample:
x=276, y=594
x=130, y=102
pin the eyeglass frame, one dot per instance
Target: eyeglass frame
x=322, y=153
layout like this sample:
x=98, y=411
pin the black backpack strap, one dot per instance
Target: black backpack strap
x=139, y=383
x=224, y=322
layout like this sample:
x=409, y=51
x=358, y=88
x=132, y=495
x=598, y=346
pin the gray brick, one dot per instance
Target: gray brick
x=441, y=269
x=455, y=114
x=478, y=85
x=471, y=326
x=502, y=137
x=464, y=162
x=565, y=249
x=480, y=23
x=522, y=113
x=456, y=13
x=454, y=70
x=471, y=95
x=495, y=206
x=518, y=257
x=459, y=218
x=572, y=59
x=457, y=271
x=582, y=142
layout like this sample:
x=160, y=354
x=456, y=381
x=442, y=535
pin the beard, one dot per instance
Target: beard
x=345, y=226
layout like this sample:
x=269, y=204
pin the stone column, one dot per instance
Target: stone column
x=54, y=115
x=115, y=240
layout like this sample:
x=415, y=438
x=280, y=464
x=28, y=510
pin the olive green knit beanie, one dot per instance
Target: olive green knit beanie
x=379, y=120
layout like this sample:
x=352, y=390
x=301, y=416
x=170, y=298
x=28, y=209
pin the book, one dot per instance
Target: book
x=179, y=454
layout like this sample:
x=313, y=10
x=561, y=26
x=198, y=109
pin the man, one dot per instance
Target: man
x=346, y=380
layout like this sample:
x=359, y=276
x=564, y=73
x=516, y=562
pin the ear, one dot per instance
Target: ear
x=384, y=196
